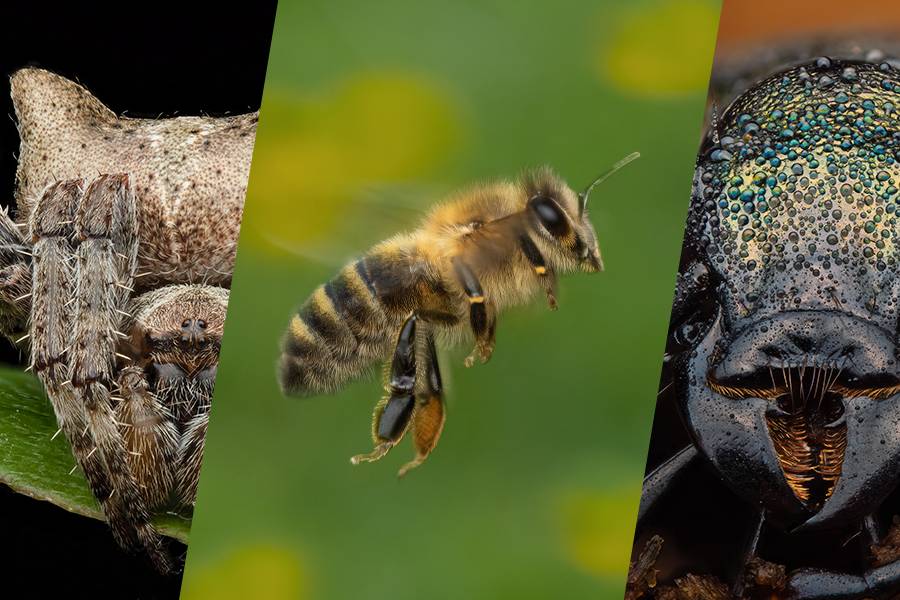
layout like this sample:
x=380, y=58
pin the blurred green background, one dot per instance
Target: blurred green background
x=371, y=113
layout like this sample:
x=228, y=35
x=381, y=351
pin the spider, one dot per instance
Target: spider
x=114, y=275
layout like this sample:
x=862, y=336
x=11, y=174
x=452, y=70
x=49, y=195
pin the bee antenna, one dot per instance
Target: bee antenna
x=583, y=196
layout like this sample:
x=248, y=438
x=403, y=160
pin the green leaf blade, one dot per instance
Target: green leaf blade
x=35, y=463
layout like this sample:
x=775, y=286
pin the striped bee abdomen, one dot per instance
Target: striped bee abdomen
x=339, y=331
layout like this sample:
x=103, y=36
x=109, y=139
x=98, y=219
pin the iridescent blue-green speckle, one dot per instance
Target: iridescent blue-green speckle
x=796, y=191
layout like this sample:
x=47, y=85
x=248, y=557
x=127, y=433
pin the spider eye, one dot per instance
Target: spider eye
x=550, y=215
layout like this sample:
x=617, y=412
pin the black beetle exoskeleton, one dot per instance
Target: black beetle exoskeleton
x=775, y=454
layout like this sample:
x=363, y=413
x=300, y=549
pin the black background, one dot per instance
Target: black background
x=144, y=59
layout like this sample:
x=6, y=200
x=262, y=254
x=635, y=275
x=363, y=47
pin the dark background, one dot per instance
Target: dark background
x=144, y=60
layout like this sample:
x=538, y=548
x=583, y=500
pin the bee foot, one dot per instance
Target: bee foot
x=482, y=352
x=551, y=301
x=376, y=454
x=411, y=465
x=485, y=351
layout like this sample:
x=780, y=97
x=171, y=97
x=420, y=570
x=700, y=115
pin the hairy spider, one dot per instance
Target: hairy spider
x=115, y=275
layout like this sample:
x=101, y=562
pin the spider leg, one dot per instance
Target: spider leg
x=428, y=415
x=393, y=413
x=105, y=258
x=50, y=327
x=150, y=436
x=15, y=280
x=190, y=454
x=481, y=318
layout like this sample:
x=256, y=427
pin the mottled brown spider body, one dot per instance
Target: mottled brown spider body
x=116, y=271
x=188, y=173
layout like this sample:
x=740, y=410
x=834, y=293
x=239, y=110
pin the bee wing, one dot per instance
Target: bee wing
x=374, y=215
x=494, y=242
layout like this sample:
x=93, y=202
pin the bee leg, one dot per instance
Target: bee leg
x=428, y=416
x=545, y=275
x=392, y=414
x=483, y=324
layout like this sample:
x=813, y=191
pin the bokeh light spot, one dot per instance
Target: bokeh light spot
x=314, y=155
x=265, y=571
x=661, y=48
x=596, y=535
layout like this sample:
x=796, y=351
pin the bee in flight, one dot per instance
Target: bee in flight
x=486, y=249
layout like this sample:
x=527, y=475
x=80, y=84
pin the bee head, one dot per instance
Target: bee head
x=560, y=218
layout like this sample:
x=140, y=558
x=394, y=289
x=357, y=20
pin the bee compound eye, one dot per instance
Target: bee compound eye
x=550, y=215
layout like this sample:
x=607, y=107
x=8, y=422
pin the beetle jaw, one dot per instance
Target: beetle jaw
x=809, y=430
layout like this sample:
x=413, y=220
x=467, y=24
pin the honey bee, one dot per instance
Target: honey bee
x=481, y=251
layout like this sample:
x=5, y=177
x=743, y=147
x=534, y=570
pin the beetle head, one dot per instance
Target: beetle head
x=785, y=325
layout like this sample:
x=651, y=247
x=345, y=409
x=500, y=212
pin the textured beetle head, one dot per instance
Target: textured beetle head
x=789, y=293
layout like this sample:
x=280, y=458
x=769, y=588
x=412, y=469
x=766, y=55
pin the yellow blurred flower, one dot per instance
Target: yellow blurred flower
x=314, y=154
x=661, y=48
x=598, y=528
x=264, y=571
